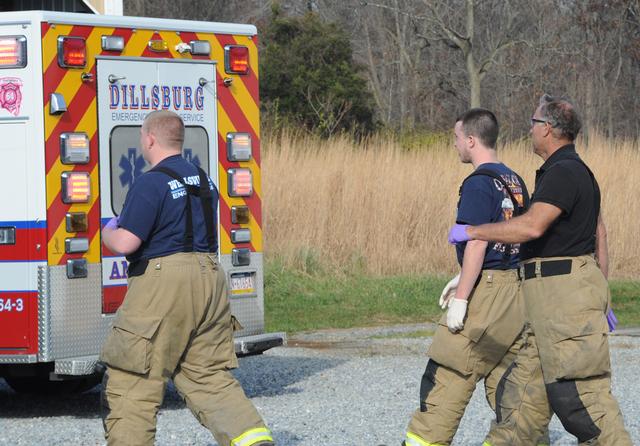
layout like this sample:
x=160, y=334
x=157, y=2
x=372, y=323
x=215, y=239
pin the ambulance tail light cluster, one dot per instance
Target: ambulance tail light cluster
x=240, y=183
x=74, y=148
x=239, y=146
x=13, y=52
x=72, y=52
x=76, y=187
x=236, y=59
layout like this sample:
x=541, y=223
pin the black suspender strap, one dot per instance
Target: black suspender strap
x=204, y=193
x=207, y=209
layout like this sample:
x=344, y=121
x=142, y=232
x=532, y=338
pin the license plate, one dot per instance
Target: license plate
x=242, y=283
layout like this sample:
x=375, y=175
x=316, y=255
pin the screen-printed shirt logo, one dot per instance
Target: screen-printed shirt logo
x=11, y=94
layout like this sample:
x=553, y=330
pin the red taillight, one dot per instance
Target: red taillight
x=76, y=187
x=72, y=51
x=236, y=59
x=13, y=52
x=240, y=183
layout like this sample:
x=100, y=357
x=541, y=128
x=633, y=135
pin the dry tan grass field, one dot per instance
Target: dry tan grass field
x=378, y=209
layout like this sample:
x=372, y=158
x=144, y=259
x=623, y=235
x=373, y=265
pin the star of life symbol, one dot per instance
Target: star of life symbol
x=11, y=94
x=131, y=166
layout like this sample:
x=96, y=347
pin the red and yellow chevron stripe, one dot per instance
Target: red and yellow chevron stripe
x=237, y=108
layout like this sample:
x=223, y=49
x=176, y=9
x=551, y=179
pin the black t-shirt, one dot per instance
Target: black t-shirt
x=565, y=182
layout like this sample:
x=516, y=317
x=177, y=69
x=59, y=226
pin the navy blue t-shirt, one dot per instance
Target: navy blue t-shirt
x=484, y=200
x=155, y=211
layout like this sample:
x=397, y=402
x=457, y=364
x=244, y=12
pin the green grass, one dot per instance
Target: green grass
x=626, y=302
x=298, y=301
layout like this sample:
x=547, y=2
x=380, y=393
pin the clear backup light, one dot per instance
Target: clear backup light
x=112, y=43
x=238, y=146
x=240, y=183
x=74, y=148
x=13, y=52
x=72, y=52
x=8, y=235
x=240, y=235
x=200, y=47
x=76, y=187
x=236, y=59
x=74, y=245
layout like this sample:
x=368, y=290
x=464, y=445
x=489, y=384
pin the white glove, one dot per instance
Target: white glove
x=448, y=292
x=456, y=314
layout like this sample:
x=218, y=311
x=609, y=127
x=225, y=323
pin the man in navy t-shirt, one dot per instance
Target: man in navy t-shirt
x=175, y=321
x=480, y=334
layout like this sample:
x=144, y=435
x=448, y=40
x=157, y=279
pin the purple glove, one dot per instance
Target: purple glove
x=112, y=224
x=458, y=234
x=612, y=320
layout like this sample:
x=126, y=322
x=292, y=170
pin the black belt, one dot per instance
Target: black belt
x=547, y=268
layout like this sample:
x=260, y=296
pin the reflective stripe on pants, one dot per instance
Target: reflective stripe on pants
x=252, y=437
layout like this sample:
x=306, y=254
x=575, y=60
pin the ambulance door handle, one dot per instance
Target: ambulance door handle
x=113, y=78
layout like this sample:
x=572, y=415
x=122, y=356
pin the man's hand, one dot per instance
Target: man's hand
x=612, y=320
x=458, y=234
x=456, y=314
x=448, y=292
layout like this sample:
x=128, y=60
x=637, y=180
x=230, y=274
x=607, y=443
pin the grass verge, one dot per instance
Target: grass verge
x=297, y=301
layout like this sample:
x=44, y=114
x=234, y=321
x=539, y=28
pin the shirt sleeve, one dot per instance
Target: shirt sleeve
x=557, y=187
x=140, y=208
x=477, y=203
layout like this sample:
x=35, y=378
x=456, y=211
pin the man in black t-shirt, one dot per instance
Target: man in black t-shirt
x=566, y=295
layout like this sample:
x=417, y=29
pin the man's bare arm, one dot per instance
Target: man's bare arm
x=602, y=247
x=472, y=262
x=120, y=241
x=529, y=226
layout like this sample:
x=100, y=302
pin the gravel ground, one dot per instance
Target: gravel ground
x=345, y=387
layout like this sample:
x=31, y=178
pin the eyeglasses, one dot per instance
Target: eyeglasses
x=534, y=121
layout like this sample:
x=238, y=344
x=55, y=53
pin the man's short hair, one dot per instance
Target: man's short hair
x=482, y=124
x=562, y=116
x=166, y=126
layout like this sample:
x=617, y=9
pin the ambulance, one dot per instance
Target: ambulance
x=74, y=90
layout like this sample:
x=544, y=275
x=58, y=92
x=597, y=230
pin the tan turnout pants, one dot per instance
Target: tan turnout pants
x=568, y=356
x=484, y=349
x=175, y=323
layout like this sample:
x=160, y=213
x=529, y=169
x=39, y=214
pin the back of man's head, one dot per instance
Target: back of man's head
x=482, y=124
x=562, y=116
x=167, y=128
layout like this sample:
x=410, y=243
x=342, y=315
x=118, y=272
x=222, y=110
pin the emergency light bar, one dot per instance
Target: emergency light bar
x=13, y=52
x=236, y=59
x=72, y=52
x=238, y=146
x=240, y=183
x=74, y=148
x=76, y=187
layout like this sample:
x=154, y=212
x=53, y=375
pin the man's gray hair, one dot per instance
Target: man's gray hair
x=562, y=116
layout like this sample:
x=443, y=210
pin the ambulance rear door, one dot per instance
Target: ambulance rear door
x=129, y=89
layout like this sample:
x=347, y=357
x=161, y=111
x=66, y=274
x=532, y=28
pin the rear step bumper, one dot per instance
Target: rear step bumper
x=253, y=345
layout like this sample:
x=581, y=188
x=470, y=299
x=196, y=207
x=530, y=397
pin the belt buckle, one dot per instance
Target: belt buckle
x=538, y=271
